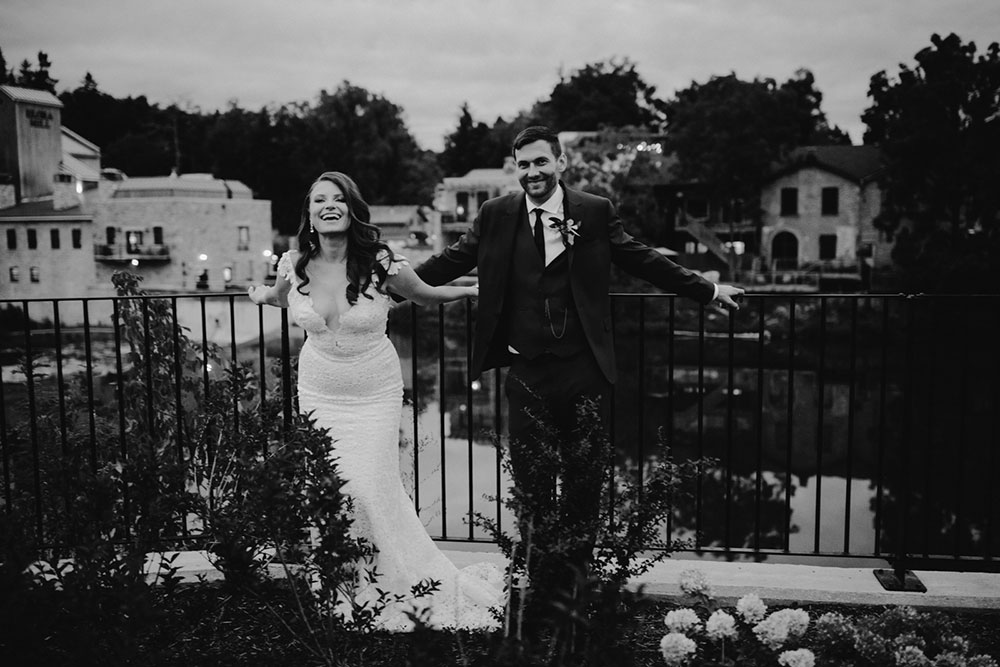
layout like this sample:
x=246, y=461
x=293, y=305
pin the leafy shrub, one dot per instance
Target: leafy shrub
x=705, y=634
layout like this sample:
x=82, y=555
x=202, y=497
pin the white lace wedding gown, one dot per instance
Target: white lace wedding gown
x=350, y=380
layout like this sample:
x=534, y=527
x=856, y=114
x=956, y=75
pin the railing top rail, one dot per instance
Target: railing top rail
x=626, y=295
x=112, y=297
x=817, y=295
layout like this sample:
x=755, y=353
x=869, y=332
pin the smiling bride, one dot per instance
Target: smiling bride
x=336, y=287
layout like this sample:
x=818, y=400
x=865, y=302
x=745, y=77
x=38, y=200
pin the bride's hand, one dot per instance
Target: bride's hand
x=257, y=294
x=473, y=291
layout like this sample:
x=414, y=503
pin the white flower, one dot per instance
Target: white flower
x=720, y=625
x=694, y=582
x=682, y=620
x=802, y=657
x=751, y=608
x=676, y=648
x=911, y=656
x=775, y=630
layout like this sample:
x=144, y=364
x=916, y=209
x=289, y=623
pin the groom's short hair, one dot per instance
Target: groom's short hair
x=530, y=135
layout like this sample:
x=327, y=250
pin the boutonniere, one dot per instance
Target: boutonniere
x=568, y=228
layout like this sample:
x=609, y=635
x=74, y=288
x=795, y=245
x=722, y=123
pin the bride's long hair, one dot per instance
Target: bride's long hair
x=363, y=239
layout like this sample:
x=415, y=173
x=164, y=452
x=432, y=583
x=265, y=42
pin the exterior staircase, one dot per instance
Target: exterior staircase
x=705, y=236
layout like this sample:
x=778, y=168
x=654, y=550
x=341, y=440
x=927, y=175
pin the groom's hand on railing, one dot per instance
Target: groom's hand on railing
x=728, y=294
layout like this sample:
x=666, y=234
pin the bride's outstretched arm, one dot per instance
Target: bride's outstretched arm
x=271, y=295
x=407, y=284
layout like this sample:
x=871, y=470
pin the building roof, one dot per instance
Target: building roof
x=42, y=211
x=856, y=163
x=31, y=96
x=72, y=140
x=482, y=178
x=78, y=169
x=388, y=215
x=188, y=185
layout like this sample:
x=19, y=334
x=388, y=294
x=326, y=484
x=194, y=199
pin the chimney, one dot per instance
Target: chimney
x=8, y=197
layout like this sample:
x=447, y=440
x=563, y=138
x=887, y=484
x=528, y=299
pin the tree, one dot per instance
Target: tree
x=728, y=133
x=938, y=125
x=6, y=76
x=468, y=147
x=39, y=79
x=603, y=94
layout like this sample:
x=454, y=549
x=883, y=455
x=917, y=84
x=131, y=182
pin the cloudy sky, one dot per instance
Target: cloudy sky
x=430, y=56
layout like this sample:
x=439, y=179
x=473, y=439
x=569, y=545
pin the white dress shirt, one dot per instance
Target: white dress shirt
x=551, y=207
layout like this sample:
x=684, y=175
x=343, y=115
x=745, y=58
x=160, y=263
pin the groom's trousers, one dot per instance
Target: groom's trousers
x=555, y=455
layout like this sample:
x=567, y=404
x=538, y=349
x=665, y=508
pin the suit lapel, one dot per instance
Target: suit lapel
x=501, y=240
x=572, y=210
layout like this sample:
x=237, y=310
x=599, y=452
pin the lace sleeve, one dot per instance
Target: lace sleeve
x=391, y=262
x=286, y=265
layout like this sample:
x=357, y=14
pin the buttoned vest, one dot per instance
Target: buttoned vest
x=541, y=314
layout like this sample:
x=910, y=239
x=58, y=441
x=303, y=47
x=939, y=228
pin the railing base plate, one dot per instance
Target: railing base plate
x=891, y=582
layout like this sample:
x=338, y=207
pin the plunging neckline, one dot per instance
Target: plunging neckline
x=340, y=312
x=340, y=315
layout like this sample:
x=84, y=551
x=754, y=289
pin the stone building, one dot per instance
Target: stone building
x=183, y=232
x=819, y=210
x=68, y=225
x=46, y=232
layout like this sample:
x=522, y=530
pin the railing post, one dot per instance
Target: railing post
x=899, y=578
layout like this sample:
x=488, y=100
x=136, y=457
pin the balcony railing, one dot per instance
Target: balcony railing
x=124, y=252
x=855, y=426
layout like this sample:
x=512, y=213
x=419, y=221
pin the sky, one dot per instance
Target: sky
x=499, y=56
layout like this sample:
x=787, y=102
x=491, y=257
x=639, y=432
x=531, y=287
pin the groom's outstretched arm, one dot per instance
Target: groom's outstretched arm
x=454, y=261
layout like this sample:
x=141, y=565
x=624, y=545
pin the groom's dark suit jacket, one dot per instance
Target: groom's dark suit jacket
x=489, y=244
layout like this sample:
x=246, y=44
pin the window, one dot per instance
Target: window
x=158, y=235
x=34, y=274
x=54, y=238
x=15, y=274
x=462, y=206
x=831, y=201
x=134, y=241
x=32, y=239
x=827, y=246
x=789, y=201
x=77, y=238
x=243, y=238
x=482, y=196
x=109, y=234
x=11, y=239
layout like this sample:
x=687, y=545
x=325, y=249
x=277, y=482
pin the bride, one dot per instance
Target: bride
x=336, y=287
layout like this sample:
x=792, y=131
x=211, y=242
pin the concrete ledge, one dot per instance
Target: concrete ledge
x=786, y=583
x=775, y=583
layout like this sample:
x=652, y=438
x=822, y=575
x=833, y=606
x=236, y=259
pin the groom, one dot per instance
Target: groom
x=544, y=258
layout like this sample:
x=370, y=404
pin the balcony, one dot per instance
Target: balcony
x=124, y=253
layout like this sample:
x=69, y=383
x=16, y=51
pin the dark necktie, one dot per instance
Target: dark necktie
x=539, y=236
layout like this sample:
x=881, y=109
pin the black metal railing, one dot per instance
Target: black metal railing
x=858, y=426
